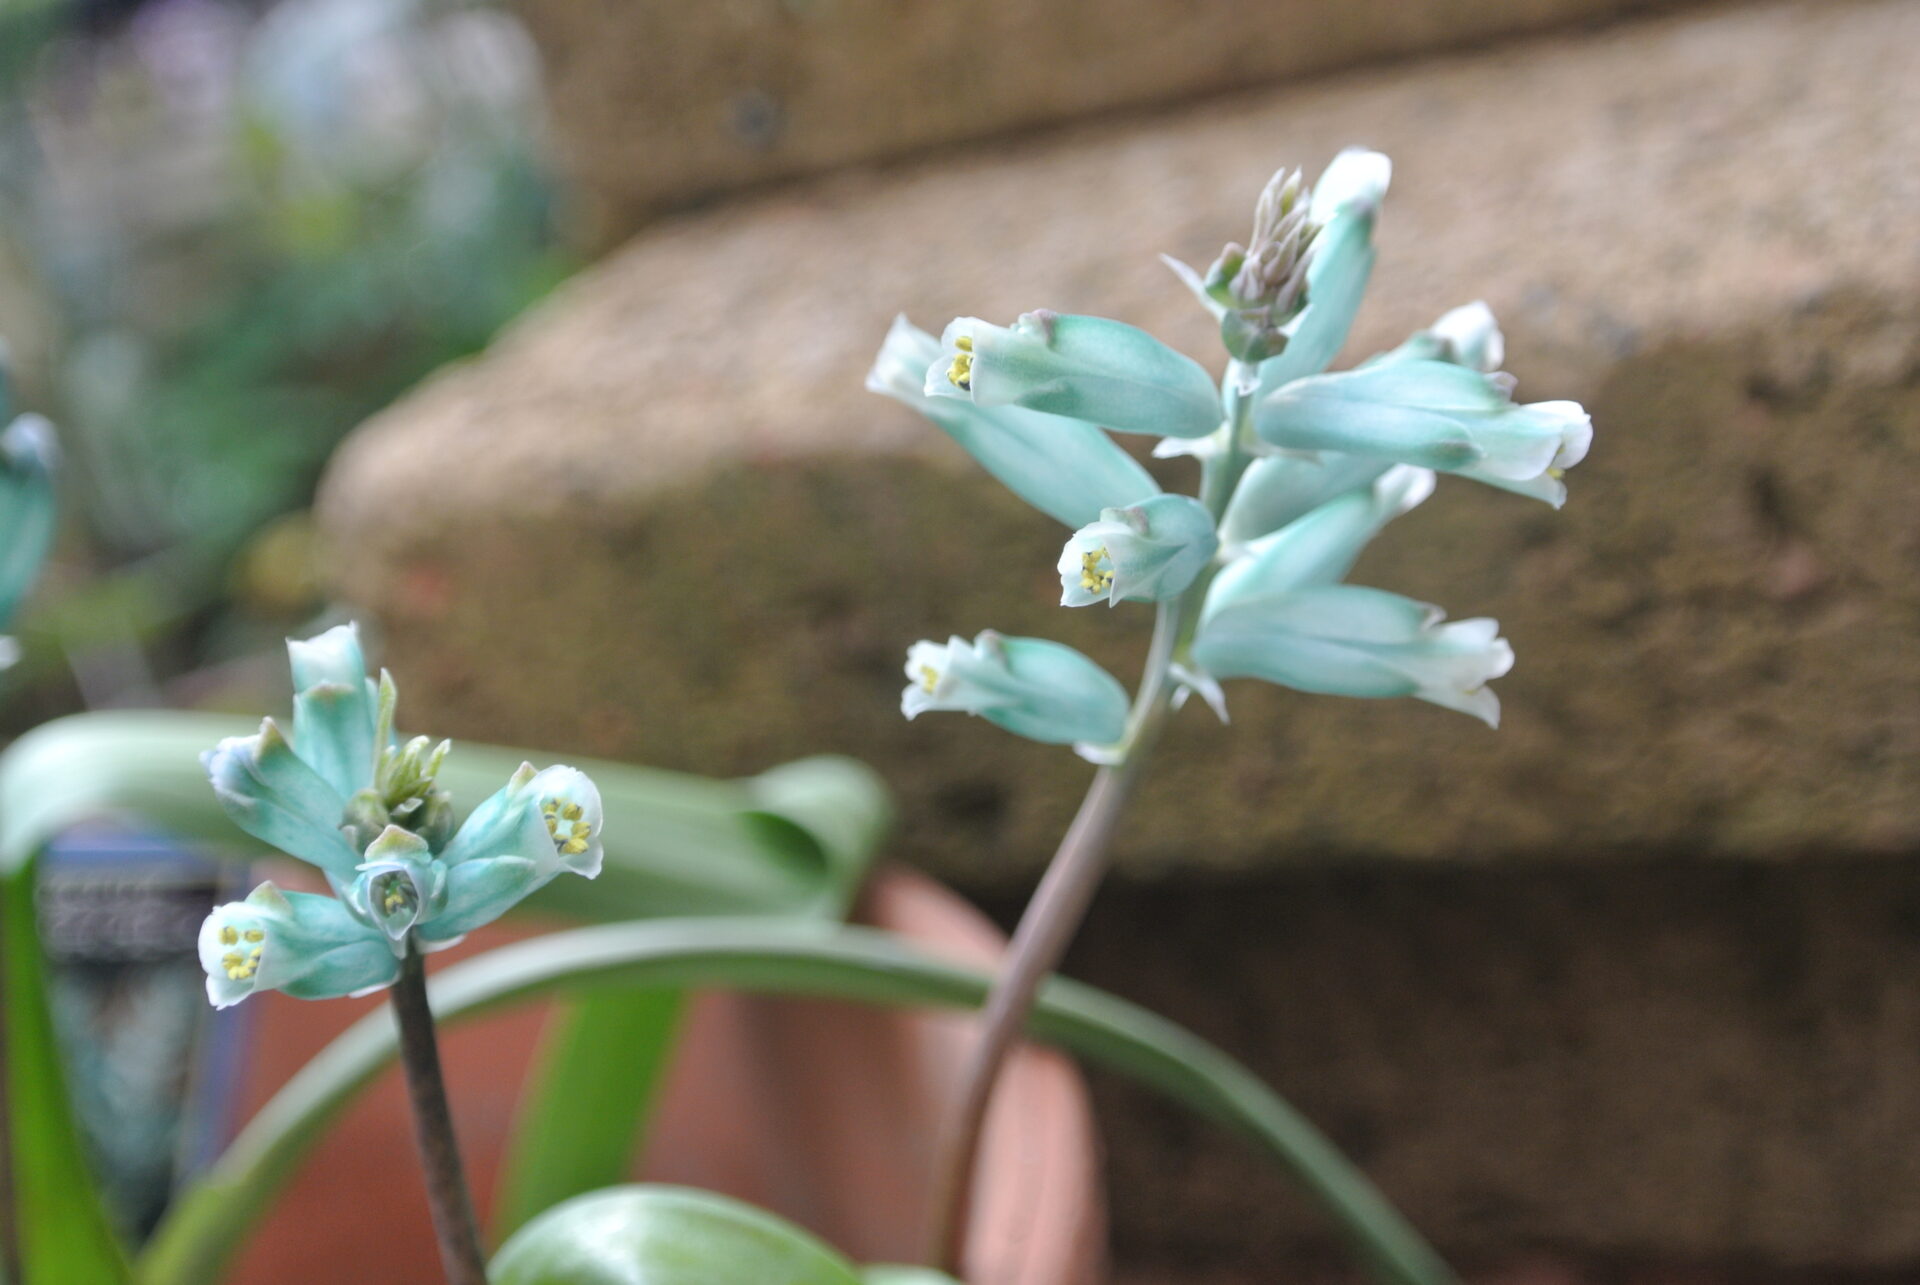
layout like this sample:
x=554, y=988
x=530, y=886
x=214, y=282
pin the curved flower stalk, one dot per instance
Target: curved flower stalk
x=1300, y=469
x=342, y=794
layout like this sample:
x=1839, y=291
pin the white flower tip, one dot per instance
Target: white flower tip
x=1356, y=179
x=899, y=369
x=30, y=440
x=1576, y=434
x=1473, y=335
x=1401, y=489
x=1100, y=755
x=1195, y=680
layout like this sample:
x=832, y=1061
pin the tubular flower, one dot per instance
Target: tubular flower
x=1068, y=470
x=1433, y=414
x=1085, y=368
x=1145, y=553
x=1041, y=690
x=1345, y=640
x=307, y=945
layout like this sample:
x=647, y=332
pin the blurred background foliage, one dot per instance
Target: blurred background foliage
x=229, y=231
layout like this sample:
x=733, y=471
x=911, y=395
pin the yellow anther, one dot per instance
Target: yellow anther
x=1093, y=578
x=960, y=373
x=253, y=956
x=1556, y=473
x=232, y=959
x=574, y=846
x=929, y=678
x=964, y=343
x=553, y=825
x=229, y=936
x=571, y=812
x=254, y=934
x=550, y=807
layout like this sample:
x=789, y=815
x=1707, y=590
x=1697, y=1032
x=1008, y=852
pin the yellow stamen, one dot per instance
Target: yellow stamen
x=254, y=934
x=229, y=936
x=232, y=959
x=960, y=373
x=574, y=846
x=1092, y=577
x=929, y=678
x=571, y=812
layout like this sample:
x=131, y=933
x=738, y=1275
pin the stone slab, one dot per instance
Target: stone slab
x=662, y=519
x=658, y=103
x=1664, y=1072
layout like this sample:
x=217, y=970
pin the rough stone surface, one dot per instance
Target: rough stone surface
x=662, y=519
x=1712, y=1065
x=659, y=103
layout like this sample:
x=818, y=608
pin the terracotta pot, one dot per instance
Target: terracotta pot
x=825, y=1113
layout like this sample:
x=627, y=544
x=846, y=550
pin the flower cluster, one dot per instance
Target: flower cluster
x=27, y=458
x=344, y=794
x=1301, y=468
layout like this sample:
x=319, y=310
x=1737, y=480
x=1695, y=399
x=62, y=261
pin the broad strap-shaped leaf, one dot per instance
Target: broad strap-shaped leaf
x=63, y=1229
x=658, y=1235
x=778, y=957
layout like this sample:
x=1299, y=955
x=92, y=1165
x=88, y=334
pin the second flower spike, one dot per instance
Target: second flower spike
x=1145, y=552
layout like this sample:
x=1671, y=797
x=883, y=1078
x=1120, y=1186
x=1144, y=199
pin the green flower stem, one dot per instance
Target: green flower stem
x=1053, y=916
x=11, y=1272
x=448, y=1199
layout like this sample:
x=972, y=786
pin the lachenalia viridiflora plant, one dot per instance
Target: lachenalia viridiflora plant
x=343, y=793
x=1299, y=470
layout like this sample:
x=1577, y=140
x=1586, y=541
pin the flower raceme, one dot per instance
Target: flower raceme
x=1302, y=468
x=344, y=796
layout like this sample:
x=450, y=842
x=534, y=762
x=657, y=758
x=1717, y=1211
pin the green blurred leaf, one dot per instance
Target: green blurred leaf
x=649, y=1235
x=584, y=1110
x=897, y=1274
x=781, y=957
x=64, y=1231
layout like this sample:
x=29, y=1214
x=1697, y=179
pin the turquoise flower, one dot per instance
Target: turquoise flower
x=28, y=455
x=1279, y=613
x=1085, y=368
x=342, y=795
x=1434, y=414
x=1068, y=470
x=1320, y=546
x=1144, y=553
x=1345, y=640
x=1041, y=690
x=308, y=945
